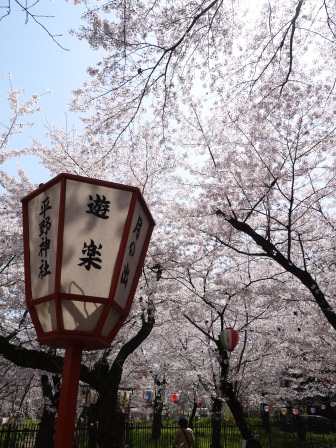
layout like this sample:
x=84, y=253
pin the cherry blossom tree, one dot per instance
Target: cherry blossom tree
x=265, y=189
x=275, y=187
x=158, y=53
x=222, y=119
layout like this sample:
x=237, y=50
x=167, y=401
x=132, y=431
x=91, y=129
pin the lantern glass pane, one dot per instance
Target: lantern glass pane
x=110, y=322
x=46, y=314
x=135, y=243
x=43, y=217
x=95, y=217
x=81, y=316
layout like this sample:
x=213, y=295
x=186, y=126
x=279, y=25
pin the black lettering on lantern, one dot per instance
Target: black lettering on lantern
x=44, y=246
x=131, y=249
x=44, y=269
x=45, y=206
x=137, y=227
x=99, y=206
x=125, y=275
x=92, y=252
x=45, y=225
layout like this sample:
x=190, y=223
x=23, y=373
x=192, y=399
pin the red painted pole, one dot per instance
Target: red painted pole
x=65, y=425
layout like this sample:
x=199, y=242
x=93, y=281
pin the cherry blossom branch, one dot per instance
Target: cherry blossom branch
x=291, y=43
x=33, y=17
x=272, y=252
x=330, y=22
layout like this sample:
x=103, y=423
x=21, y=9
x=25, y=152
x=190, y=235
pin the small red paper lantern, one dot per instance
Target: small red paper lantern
x=200, y=401
x=176, y=397
x=229, y=338
x=266, y=408
x=295, y=411
x=323, y=407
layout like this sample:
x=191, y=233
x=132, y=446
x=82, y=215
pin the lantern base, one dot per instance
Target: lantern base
x=86, y=342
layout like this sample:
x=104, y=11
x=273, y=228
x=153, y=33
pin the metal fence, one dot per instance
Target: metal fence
x=271, y=436
x=24, y=436
x=18, y=436
x=140, y=436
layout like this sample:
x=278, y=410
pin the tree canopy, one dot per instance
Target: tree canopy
x=222, y=114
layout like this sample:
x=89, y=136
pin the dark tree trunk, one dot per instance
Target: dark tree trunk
x=193, y=413
x=111, y=423
x=216, y=423
x=233, y=402
x=110, y=429
x=157, y=419
x=45, y=434
x=158, y=407
x=90, y=418
x=237, y=411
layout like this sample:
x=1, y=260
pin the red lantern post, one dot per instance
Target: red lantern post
x=85, y=242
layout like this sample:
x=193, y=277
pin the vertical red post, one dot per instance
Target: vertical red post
x=65, y=425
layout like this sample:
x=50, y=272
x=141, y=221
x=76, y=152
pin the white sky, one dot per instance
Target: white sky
x=37, y=64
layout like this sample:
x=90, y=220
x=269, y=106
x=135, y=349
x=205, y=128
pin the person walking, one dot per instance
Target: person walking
x=184, y=436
